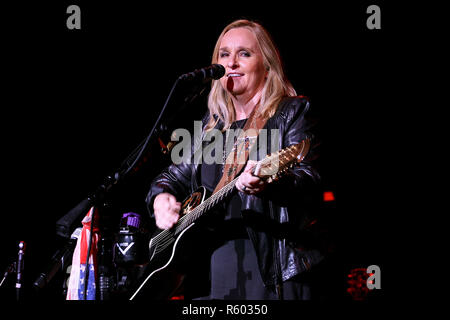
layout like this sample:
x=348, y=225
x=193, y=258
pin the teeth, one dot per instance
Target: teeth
x=234, y=75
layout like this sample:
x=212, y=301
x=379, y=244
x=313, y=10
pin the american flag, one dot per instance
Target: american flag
x=76, y=285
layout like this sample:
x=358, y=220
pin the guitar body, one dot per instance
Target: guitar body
x=164, y=273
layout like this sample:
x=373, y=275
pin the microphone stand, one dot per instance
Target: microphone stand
x=66, y=223
x=73, y=218
x=19, y=270
x=11, y=269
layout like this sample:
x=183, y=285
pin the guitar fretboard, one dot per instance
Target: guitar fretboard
x=205, y=206
x=166, y=237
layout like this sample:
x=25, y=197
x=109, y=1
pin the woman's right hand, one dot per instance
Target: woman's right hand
x=166, y=209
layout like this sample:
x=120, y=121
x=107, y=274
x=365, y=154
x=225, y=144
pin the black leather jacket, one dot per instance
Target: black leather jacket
x=279, y=217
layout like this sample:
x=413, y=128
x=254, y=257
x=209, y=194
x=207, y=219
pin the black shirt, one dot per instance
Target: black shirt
x=234, y=267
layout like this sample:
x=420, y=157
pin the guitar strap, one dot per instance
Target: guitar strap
x=237, y=158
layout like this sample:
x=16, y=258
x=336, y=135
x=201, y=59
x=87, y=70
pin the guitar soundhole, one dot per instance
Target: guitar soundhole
x=194, y=200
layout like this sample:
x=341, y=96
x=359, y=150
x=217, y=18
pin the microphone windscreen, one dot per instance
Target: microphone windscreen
x=218, y=71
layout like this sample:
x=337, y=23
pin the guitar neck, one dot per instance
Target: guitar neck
x=205, y=206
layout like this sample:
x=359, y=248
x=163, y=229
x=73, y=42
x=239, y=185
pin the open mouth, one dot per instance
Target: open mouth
x=235, y=75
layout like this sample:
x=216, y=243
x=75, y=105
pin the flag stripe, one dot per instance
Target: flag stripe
x=76, y=282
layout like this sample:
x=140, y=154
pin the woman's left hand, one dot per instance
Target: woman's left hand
x=247, y=182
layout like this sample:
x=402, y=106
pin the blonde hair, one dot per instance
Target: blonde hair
x=276, y=84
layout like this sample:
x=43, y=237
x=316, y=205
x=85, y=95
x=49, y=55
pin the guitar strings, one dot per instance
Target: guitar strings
x=166, y=236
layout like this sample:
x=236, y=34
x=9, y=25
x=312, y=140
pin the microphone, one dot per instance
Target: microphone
x=215, y=71
x=58, y=260
x=19, y=268
x=68, y=222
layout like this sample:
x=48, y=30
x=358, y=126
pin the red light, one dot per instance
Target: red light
x=328, y=196
x=357, y=284
x=161, y=144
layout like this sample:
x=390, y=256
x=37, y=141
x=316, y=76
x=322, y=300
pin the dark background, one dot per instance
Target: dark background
x=75, y=103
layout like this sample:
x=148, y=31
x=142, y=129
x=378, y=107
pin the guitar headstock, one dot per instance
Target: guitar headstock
x=274, y=165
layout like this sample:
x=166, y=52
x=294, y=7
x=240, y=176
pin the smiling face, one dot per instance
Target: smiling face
x=241, y=56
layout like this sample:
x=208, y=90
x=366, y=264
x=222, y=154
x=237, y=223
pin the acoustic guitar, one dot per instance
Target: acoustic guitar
x=164, y=244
